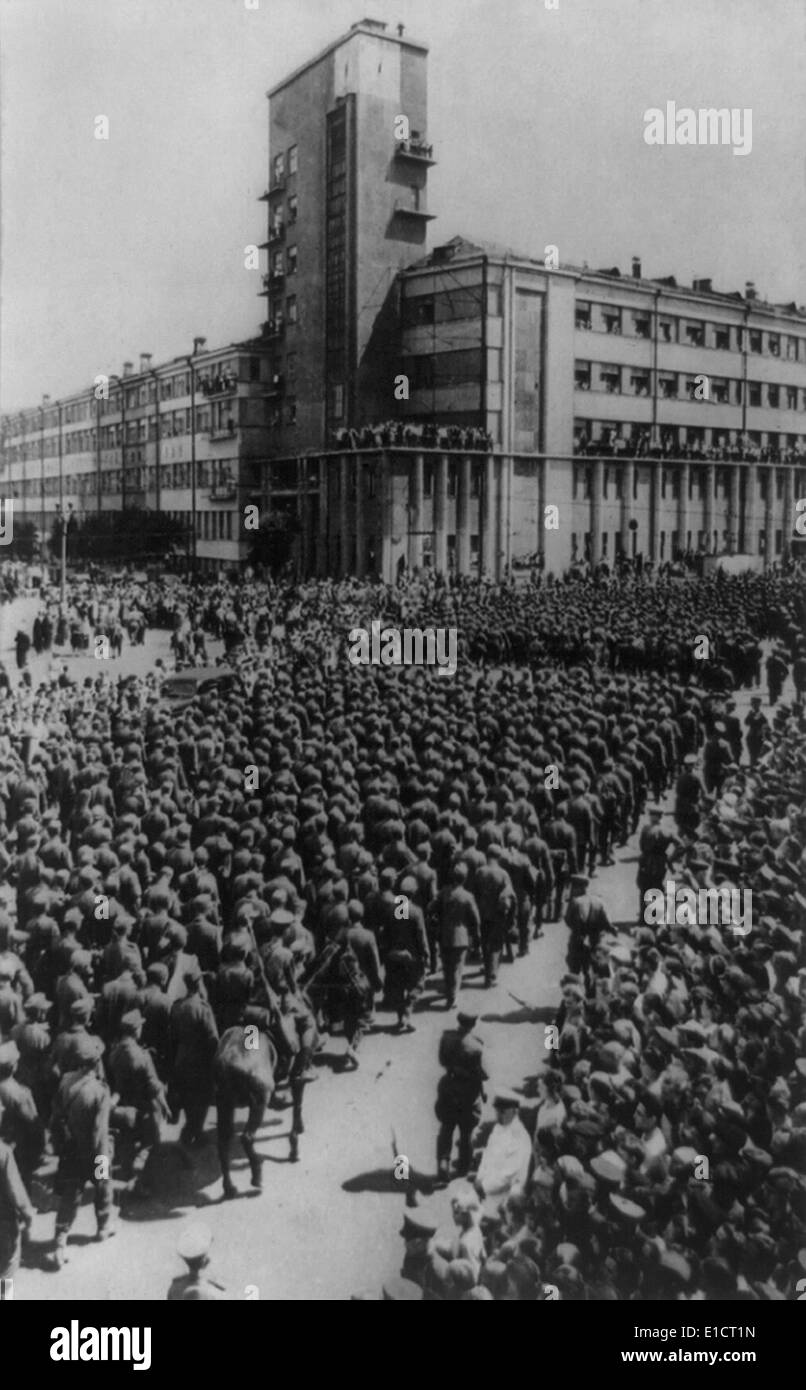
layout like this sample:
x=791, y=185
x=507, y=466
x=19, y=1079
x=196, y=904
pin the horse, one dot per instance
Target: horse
x=243, y=1075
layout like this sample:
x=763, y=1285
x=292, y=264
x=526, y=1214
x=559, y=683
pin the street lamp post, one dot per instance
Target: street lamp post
x=24, y=486
x=121, y=381
x=45, y=402
x=198, y=344
x=64, y=520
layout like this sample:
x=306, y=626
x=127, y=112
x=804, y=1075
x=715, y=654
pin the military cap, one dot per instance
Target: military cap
x=81, y=1009
x=675, y=1263
x=37, y=1004
x=586, y=1129
x=628, y=1211
x=418, y=1225
x=655, y=810
x=157, y=973
x=402, y=1291
x=131, y=1021
x=570, y=1168
x=466, y=1020
x=504, y=1098
x=88, y=1049
x=609, y=1166
x=753, y=1154
x=690, y=760
x=579, y=881
x=694, y=1028
x=194, y=1242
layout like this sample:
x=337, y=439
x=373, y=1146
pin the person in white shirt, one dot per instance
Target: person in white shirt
x=504, y=1166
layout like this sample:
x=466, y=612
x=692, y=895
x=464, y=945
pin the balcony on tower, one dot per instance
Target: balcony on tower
x=410, y=208
x=415, y=149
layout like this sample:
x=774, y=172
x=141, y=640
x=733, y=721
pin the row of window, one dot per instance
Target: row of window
x=278, y=222
x=429, y=475
x=284, y=163
x=613, y=480
x=618, y=380
x=279, y=316
x=702, y=541
x=589, y=431
x=284, y=262
x=209, y=473
x=446, y=306
x=224, y=377
x=637, y=323
x=441, y=369
x=217, y=419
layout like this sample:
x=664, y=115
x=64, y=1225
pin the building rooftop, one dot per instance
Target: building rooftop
x=375, y=28
x=461, y=248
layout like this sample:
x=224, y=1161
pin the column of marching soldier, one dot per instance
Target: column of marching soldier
x=397, y=821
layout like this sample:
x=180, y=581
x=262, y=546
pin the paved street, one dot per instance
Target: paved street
x=329, y=1224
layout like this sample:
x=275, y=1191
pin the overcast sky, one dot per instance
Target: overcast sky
x=136, y=244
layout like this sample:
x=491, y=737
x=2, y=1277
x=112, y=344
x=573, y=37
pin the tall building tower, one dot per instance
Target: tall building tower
x=348, y=168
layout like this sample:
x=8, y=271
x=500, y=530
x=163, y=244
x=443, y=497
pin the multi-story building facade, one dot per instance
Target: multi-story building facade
x=129, y=440
x=346, y=199
x=654, y=419
x=658, y=419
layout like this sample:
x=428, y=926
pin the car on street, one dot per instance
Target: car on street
x=184, y=686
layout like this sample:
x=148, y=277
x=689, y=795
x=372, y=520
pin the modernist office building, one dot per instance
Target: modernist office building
x=133, y=442
x=347, y=208
x=657, y=418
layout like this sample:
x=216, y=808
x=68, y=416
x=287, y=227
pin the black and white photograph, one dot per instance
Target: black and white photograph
x=403, y=659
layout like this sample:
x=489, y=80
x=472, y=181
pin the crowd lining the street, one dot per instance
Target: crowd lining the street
x=253, y=847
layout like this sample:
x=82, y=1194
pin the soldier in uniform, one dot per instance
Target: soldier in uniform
x=717, y=758
x=586, y=918
x=69, y=1041
x=457, y=927
x=562, y=842
x=16, y=1212
x=20, y=1126
x=141, y=1105
x=418, y=1230
x=777, y=672
x=653, y=848
x=80, y=1128
x=733, y=730
x=689, y=792
x=34, y=1042
x=460, y=1092
x=495, y=898
x=195, y=1038
x=404, y=948
x=540, y=855
x=156, y=1008
x=757, y=730
x=524, y=879
x=195, y=1286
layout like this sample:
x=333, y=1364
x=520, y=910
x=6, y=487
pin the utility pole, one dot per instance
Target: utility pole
x=198, y=344
x=45, y=402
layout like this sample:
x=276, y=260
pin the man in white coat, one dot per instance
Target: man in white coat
x=504, y=1166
